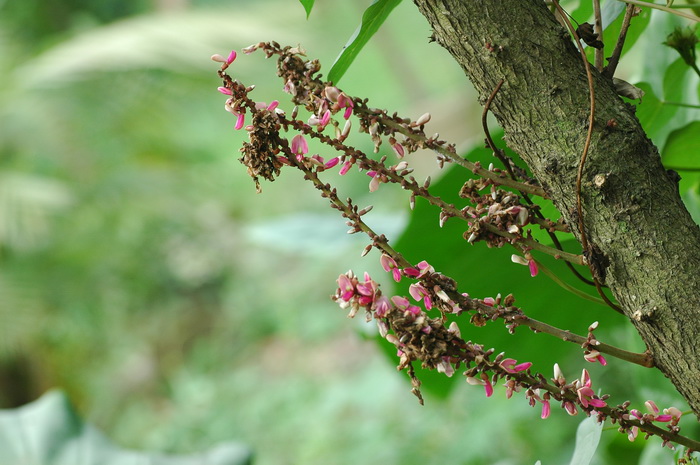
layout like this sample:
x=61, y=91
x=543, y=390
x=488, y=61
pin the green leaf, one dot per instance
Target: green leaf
x=683, y=146
x=49, y=432
x=587, y=439
x=373, y=17
x=654, y=115
x=308, y=5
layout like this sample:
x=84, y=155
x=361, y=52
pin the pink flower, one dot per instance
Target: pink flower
x=651, y=405
x=512, y=366
x=398, y=148
x=545, y=409
x=323, y=122
x=345, y=168
x=533, y=267
x=240, y=120
x=332, y=162
x=483, y=381
x=420, y=270
x=445, y=367
x=595, y=356
x=224, y=90
x=389, y=264
x=632, y=433
x=570, y=408
x=273, y=105
x=231, y=57
x=346, y=287
x=299, y=146
x=382, y=306
x=345, y=102
x=374, y=183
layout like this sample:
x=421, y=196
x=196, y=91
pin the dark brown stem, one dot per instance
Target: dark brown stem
x=609, y=70
x=598, y=29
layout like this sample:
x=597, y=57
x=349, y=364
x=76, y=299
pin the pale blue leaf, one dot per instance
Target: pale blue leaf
x=49, y=432
x=587, y=439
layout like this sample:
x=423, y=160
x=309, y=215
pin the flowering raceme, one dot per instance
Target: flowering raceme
x=496, y=211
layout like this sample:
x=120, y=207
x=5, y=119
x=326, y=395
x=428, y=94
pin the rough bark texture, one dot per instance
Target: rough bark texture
x=648, y=244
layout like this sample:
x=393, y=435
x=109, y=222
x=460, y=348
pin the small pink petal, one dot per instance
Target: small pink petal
x=522, y=367
x=598, y=403
x=651, y=405
x=411, y=272
x=348, y=112
x=325, y=118
x=632, y=435
x=488, y=389
x=240, y=121
x=533, y=267
x=545, y=409
x=345, y=168
x=224, y=90
x=387, y=262
x=401, y=302
x=299, y=145
x=396, y=274
x=374, y=184
x=332, y=162
x=273, y=105
x=231, y=57
x=398, y=148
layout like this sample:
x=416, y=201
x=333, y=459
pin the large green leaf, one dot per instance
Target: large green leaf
x=373, y=17
x=683, y=146
x=49, y=432
x=484, y=272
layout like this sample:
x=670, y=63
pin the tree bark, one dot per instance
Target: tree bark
x=645, y=242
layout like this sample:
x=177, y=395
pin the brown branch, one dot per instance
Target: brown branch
x=609, y=71
x=598, y=28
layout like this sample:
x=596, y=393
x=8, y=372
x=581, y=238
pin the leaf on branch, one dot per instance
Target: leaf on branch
x=373, y=17
x=308, y=5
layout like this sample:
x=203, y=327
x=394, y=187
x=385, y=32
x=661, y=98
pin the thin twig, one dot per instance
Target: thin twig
x=598, y=29
x=663, y=8
x=473, y=167
x=609, y=70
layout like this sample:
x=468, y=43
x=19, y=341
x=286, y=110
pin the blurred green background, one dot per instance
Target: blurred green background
x=141, y=273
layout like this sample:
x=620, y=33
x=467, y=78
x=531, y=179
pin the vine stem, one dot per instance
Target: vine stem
x=609, y=70
x=584, y=155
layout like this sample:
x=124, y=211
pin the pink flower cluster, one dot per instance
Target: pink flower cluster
x=671, y=415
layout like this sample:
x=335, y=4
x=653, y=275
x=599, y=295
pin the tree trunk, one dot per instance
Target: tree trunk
x=645, y=241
